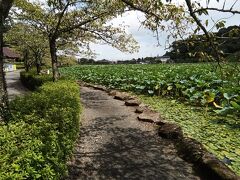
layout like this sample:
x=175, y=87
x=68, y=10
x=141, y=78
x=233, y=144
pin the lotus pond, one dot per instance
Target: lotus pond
x=202, y=98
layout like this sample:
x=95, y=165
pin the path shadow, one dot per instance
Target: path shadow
x=126, y=153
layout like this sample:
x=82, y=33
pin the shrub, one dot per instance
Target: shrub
x=38, y=140
x=33, y=81
x=21, y=155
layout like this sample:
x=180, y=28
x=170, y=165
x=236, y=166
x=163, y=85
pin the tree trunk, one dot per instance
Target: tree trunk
x=38, y=61
x=38, y=66
x=53, y=52
x=3, y=85
x=26, y=62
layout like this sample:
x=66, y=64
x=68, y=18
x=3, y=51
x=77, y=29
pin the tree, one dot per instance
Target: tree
x=211, y=39
x=67, y=60
x=29, y=41
x=73, y=20
x=5, y=6
x=190, y=12
x=193, y=50
x=161, y=16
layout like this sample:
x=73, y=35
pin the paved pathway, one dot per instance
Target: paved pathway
x=113, y=144
x=14, y=85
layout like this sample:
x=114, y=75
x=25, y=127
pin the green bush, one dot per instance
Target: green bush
x=33, y=81
x=21, y=154
x=38, y=140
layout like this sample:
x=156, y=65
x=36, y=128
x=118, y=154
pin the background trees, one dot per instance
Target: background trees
x=81, y=22
x=186, y=19
x=192, y=49
x=30, y=42
x=195, y=10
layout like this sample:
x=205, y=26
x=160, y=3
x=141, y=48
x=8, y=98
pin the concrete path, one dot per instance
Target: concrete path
x=14, y=85
x=113, y=144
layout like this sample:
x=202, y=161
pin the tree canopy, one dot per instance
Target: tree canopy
x=77, y=21
x=192, y=49
x=30, y=42
x=185, y=18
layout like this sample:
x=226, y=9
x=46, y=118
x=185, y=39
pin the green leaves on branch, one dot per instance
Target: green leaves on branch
x=79, y=22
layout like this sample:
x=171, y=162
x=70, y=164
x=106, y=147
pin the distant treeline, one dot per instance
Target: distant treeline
x=189, y=50
x=145, y=60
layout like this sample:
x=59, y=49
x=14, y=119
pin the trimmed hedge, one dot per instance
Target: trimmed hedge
x=37, y=142
x=33, y=81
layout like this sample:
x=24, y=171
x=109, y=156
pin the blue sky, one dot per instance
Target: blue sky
x=146, y=39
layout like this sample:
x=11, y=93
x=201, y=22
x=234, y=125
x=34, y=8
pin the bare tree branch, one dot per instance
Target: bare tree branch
x=70, y=28
x=233, y=4
x=216, y=9
x=193, y=15
x=214, y=47
x=60, y=17
x=140, y=9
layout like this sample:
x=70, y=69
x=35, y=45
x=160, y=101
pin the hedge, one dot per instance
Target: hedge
x=33, y=81
x=37, y=142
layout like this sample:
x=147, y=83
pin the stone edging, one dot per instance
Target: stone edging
x=189, y=149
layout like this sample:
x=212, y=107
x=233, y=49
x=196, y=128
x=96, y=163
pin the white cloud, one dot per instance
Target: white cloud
x=146, y=39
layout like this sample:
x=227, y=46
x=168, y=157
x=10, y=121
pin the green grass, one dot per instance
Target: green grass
x=220, y=135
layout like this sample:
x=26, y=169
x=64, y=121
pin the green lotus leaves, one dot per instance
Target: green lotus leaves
x=198, y=84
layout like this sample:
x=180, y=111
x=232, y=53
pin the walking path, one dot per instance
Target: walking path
x=14, y=85
x=113, y=144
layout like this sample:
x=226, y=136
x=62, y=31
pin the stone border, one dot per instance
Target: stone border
x=189, y=149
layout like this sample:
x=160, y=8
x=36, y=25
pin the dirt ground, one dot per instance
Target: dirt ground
x=113, y=144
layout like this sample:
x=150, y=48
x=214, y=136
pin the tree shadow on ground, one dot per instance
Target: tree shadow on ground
x=118, y=151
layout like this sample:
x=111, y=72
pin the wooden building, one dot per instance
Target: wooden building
x=9, y=58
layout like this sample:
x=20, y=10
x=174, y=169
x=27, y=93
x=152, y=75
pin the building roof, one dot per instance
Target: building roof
x=8, y=53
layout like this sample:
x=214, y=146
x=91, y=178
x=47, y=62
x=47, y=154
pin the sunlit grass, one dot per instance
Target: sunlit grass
x=220, y=135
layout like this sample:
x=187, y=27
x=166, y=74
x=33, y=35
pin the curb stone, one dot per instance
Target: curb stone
x=132, y=102
x=190, y=149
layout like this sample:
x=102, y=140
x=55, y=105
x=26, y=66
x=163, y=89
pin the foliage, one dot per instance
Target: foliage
x=33, y=81
x=74, y=22
x=21, y=155
x=235, y=57
x=30, y=42
x=36, y=143
x=67, y=60
x=198, y=84
x=193, y=49
x=220, y=135
x=162, y=16
x=145, y=60
x=185, y=18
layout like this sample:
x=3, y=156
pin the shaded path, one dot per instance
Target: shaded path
x=114, y=145
x=14, y=85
